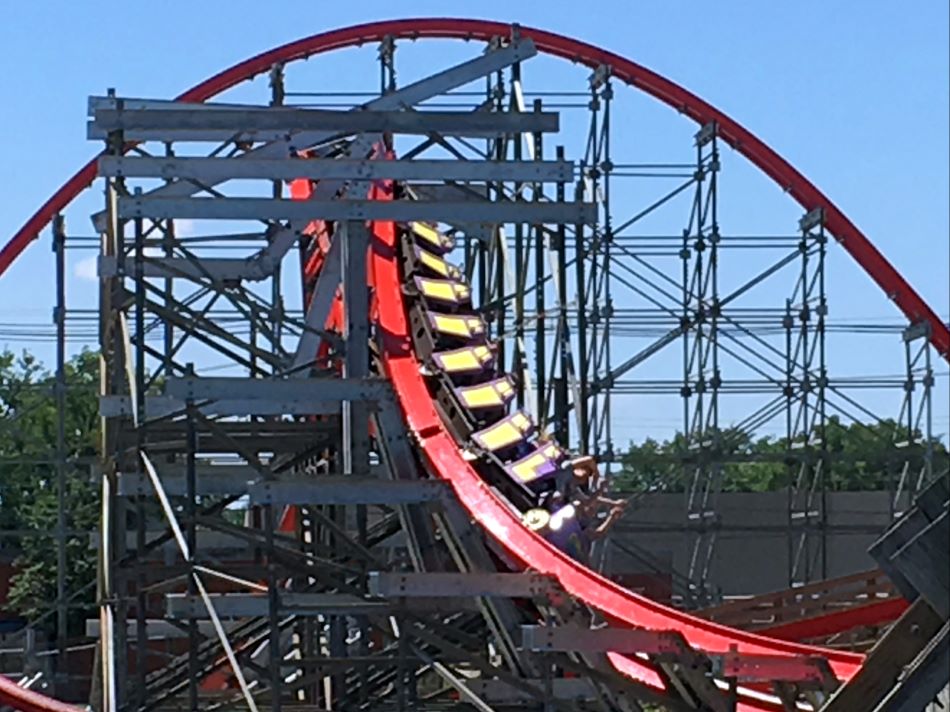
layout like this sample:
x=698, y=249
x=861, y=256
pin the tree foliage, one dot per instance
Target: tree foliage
x=28, y=479
x=859, y=457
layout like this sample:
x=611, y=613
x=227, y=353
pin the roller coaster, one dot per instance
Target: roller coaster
x=387, y=508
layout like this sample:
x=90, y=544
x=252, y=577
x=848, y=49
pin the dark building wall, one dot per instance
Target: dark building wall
x=752, y=550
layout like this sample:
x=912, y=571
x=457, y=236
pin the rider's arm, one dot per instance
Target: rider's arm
x=605, y=525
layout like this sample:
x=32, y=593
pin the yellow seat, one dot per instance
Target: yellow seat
x=430, y=236
x=464, y=360
x=447, y=291
x=493, y=394
x=437, y=265
x=463, y=326
x=541, y=462
x=505, y=433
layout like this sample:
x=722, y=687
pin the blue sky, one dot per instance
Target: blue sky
x=855, y=95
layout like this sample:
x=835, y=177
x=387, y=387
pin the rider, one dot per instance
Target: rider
x=569, y=519
x=589, y=491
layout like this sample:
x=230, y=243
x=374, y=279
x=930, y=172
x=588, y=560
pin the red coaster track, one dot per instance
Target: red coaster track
x=440, y=451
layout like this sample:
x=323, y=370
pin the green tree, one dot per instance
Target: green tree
x=28, y=479
x=860, y=456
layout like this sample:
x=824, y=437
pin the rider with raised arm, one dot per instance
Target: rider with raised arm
x=569, y=519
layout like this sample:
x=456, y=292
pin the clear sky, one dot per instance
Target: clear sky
x=855, y=94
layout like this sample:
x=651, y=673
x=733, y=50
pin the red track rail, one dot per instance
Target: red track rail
x=504, y=526
x=872, y=614
x=28, y=701
x=437, y=445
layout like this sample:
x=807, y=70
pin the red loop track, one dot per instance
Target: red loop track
x=777, y=168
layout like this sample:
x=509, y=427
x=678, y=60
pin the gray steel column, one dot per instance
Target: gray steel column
x=540, y=285
x=805, y=402
x=387, y=65
x=582, y=391
x=356, y=292
x=168, y=249
x=276, y=653
x=600, y=269
x=822, y=386
x=927, y=472
x=108, y=688
x=277, y=302
x=498, y=287
x=915, y=421
x=591, y=287
x=701, y=378
x=141, y=600
x=563, y=340
x=191, y=511
x=604, y=370
x=518, y=356
x=59, y=317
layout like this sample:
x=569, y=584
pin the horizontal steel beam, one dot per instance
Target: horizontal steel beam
x=290, y=392
x=238, y=436
x=400, y=210
x=450, y=192
x=267, y=137
x=500, y=692
x=295, y=141
x=571, y=638
x=157, y=629
x=208, y=541
x=210, y=480
x=439, y=584
x=114, y=103
x=766, y=668
x=249, y=605
x=671, y=644
x=232, y=121
x=163, y=406
x=218, y=269
x=207, y=170
x=214, y=480
x=345, y=490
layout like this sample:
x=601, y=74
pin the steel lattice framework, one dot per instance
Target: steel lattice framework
x=289, y=527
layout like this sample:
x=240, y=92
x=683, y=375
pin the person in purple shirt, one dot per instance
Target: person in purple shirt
x=573, y=526
x=589, y=491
